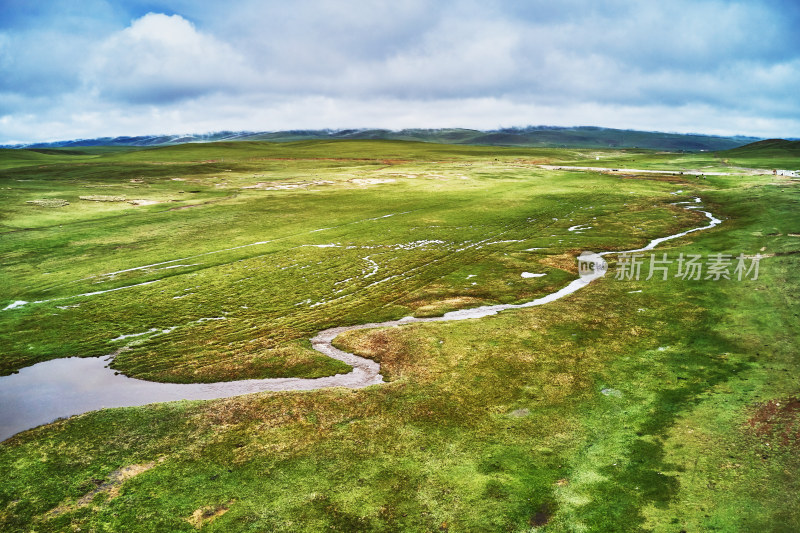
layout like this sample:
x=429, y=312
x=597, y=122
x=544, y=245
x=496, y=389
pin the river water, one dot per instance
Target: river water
x=46, y=391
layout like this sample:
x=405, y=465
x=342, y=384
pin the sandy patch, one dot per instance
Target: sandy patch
x=372, y=181
x=143, y=202
x=279, y=186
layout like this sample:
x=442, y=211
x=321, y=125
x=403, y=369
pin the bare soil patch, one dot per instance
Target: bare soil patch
x=778, y=421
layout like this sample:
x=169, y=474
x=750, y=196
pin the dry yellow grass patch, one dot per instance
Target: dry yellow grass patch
x=110, y=487
x=208, y=514
x=102, y=198
x=441, y=306
x=565, y=261
x=48, y=202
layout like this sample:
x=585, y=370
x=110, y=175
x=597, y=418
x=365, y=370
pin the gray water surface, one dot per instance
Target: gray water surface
x=43, y=392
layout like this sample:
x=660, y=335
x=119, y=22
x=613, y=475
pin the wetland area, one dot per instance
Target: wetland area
x=351, y=335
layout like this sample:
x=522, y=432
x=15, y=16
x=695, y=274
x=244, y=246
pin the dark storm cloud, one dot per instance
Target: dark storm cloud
x=713, y=65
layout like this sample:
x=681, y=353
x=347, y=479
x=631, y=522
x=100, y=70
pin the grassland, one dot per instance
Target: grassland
x=675, y=408
x=320, y=242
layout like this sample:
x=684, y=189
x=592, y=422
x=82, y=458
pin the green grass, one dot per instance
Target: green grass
x=772, y=153
x=497, y=424
x=250, y=256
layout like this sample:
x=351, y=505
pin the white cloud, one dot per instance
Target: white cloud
x=454, y=58
x=161, y=59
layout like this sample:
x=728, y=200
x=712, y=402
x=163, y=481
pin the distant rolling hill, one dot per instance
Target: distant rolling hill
x=777, y=153
x=531, y=136
x=769, y=147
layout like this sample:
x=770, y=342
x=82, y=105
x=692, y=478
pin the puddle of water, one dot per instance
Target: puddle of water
x=531, y=275
x=58, y=388
x=579, y=227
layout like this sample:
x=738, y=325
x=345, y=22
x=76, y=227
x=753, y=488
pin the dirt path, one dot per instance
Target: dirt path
x=689, y=172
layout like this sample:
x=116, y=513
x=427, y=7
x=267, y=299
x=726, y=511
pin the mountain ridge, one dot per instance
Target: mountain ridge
x=528, y=136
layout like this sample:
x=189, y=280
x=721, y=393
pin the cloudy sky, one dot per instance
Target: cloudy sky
x=89, y=68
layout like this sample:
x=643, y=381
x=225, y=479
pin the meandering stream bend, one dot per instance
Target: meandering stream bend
x=46, y=391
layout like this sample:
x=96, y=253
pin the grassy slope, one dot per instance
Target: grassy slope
x=767, y=155
x=772, y=153
x=494, y=424
x=482, y=214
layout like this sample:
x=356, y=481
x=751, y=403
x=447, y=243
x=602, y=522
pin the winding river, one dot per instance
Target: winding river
x=46, y=391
